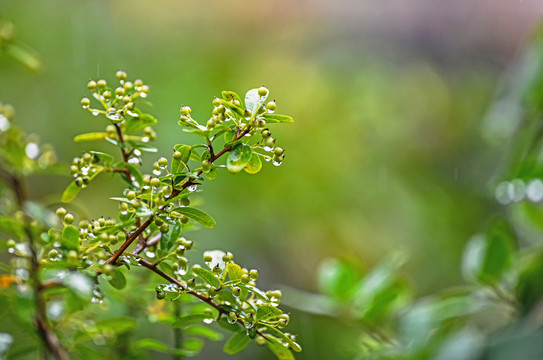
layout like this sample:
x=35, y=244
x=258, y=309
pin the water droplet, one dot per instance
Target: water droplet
x=268, y=148
x=137, y=152
x=96, y=300
x=86, y=106
x=32, y=150
x=276, y=163
x=231, y=321
x=112, y=115
x=157, y=172
x=150, y=254
x=96, y=113
x=504, y=192
x=145, y=139
x=131, y=113
x=143, y=95
x=134, y=161
x=271, y=111
x=267, y=159
x=249, y=324
x=534, y=191
x=208, y=320
x=11, y=250
x=192, y=188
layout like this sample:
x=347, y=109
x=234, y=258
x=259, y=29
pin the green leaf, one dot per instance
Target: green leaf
x=277, y=333
x=136, y=124
x=254, y=165
x=72, y=190
x=181, y=164
x=266, y=312
x=488, y=256
x=206, y=275
x=11, y=227
x=239, y=157
x=237, y=342
x=229, y=136
x=279, y=350
x=236, y=110
x=167, y=240
x=70, y=237
x=204, y=332
x=253, y=101
x=277, y=118
x=234, y=271
x=187, y=320
x=103, y=158
x=235, y=327
x=90, y=136
x=212, y=173
x=117, y=325
x=150, y=344
x=337, y=278
x=230, y=95
x=197, y=215
x=117, y=279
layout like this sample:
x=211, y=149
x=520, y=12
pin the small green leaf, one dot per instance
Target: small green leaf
x=277, y=118
x=239, y=157
x=70, y=237
x=212, y=173
x=234, y=271
x=281, y=351
x=254, y=165
x=236, y=110
x=253, y=101
x=136, y=124
x=117, y=279
x=167, y=240
x=198, y=215
x=237, y=342
x=206, y=275
x=204, y=332
x=90, y=136
x=103, y=158
x=187, y=320
x=150, y=344
x=181, y=164
x=488, y=256
x=337, y=278
x=277, y=333
x=72, y=190
x=230, y=95
x=267, y=311
x=229, y=136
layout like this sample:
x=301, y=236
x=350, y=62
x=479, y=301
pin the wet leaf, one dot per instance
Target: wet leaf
x=197, y=215
x=237, y=342
x=238, y=158
x=206, y=275
x=254, y=165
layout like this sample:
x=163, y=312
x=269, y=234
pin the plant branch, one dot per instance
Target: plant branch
x=113, y=259
x=48, y=336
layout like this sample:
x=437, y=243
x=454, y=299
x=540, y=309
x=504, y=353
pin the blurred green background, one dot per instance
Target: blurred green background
x=387, y=151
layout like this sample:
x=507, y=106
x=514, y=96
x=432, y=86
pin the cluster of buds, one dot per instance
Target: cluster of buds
x=119, y=102
x=220, y=113
x=83, y=168
x=268, y=143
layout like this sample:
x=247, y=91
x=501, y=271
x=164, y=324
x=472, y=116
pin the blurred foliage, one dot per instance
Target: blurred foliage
x=390, y=151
